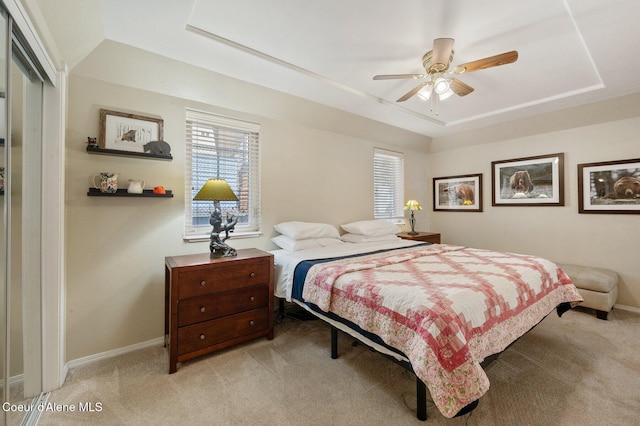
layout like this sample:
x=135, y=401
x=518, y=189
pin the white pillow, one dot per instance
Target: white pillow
x=307, y=230
x=359, y=238
x=372, y=228
x=290, y=244
x=325, y=242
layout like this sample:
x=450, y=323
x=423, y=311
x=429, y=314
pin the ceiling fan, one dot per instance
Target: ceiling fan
x=441, y=81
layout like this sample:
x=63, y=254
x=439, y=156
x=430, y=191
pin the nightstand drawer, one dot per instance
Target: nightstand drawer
x=223, y=277
x=209, y=333
x=204, y=308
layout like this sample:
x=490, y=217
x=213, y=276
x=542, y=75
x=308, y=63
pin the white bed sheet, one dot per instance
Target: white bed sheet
x=286, y=261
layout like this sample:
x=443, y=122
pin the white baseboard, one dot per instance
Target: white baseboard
x=110, y=354
x=13, y=381
x=627, y=308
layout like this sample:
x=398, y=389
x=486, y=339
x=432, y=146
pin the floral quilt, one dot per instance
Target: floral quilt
x=445, y=307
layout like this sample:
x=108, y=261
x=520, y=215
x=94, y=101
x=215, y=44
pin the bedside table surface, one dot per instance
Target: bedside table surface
x=430, y=237
x=188, y=260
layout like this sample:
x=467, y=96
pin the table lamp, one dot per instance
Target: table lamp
x=412, y=205
x=217, y=190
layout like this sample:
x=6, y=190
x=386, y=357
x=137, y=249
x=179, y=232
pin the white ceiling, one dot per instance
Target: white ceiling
x=571, y=52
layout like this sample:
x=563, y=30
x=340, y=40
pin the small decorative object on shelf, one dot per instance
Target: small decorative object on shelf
x=157, y=148
x=159, y=190
x=135, y=186
x=413, y=205
x=218, y=190
x=92, y=141
x=107, y=182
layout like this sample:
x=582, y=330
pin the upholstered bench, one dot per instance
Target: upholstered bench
x=597, y=286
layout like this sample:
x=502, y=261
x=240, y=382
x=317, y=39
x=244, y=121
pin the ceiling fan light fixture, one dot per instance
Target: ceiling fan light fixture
x=441, y=86
x=425, y=92
x=446, y=95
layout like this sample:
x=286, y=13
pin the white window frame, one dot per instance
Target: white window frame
x=203, y=131
x=388, y=185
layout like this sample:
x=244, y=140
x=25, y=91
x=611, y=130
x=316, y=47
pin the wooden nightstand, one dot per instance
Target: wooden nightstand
x=427, y=237
x=211, y=304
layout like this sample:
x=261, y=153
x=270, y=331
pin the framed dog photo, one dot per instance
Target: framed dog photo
x=458, y=193
x=128, y=132
x=530, y=181
x=609, y=187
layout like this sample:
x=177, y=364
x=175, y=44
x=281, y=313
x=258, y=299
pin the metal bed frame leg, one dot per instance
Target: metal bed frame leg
x=421, y=399
x=280, y=313
x=421, y=388
x=334, y=342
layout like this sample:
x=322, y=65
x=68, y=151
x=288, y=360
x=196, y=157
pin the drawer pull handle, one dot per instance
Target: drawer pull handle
x=252, y=275
x=252, y=298
x=202, y=309
x=203, y=283
x=202, y=337
x=251, y=323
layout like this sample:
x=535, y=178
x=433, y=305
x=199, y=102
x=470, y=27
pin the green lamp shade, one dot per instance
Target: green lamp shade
x=216, y=190
x=413, y=205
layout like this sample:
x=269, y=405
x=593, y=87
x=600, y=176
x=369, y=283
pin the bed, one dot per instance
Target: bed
x=441, y=309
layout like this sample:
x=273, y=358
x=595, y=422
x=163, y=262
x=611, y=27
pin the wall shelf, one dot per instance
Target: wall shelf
x=147, y=193
x=102, y=151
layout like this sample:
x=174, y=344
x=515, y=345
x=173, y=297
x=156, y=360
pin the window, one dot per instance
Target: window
x=221, y=148
x=388, y=187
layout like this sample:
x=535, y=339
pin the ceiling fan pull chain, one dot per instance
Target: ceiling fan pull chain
x=435, y=101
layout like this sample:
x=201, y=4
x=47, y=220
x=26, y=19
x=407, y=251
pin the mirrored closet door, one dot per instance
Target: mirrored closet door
x=4, y=226
x=21, y=105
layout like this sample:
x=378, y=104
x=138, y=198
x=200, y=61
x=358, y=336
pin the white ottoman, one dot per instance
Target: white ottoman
x=597, y=286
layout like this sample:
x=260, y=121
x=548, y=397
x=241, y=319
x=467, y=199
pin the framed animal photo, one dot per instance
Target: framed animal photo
x=530, y=181
x=128, y=132
x=609, y=187
x=458, y=193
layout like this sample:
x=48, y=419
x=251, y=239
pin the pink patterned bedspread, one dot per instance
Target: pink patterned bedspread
x=445, y=307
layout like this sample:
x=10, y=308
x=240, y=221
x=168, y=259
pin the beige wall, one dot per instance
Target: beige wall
x=558, y=233
x=317, y=165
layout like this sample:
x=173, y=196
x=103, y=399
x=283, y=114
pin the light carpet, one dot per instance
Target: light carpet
x=574, y=370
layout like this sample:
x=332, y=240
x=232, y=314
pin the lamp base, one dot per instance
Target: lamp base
x=412, y=222
x=229, y=253
x=220, y=248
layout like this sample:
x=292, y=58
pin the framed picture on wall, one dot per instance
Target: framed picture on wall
x=458, y=193
x=128, y=132
x=609, y=187
x=530, y=181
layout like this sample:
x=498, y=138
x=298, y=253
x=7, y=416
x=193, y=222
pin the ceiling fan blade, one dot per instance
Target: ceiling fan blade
x=442, y=49
x=398, y=76
x=460, y=88
x=412, y=92
x=491, y=61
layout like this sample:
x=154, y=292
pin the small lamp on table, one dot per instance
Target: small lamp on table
x=412, y=205
x=217, y=190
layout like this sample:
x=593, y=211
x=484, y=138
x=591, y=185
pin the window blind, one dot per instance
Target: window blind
x=388, y=184
x=221, y=148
